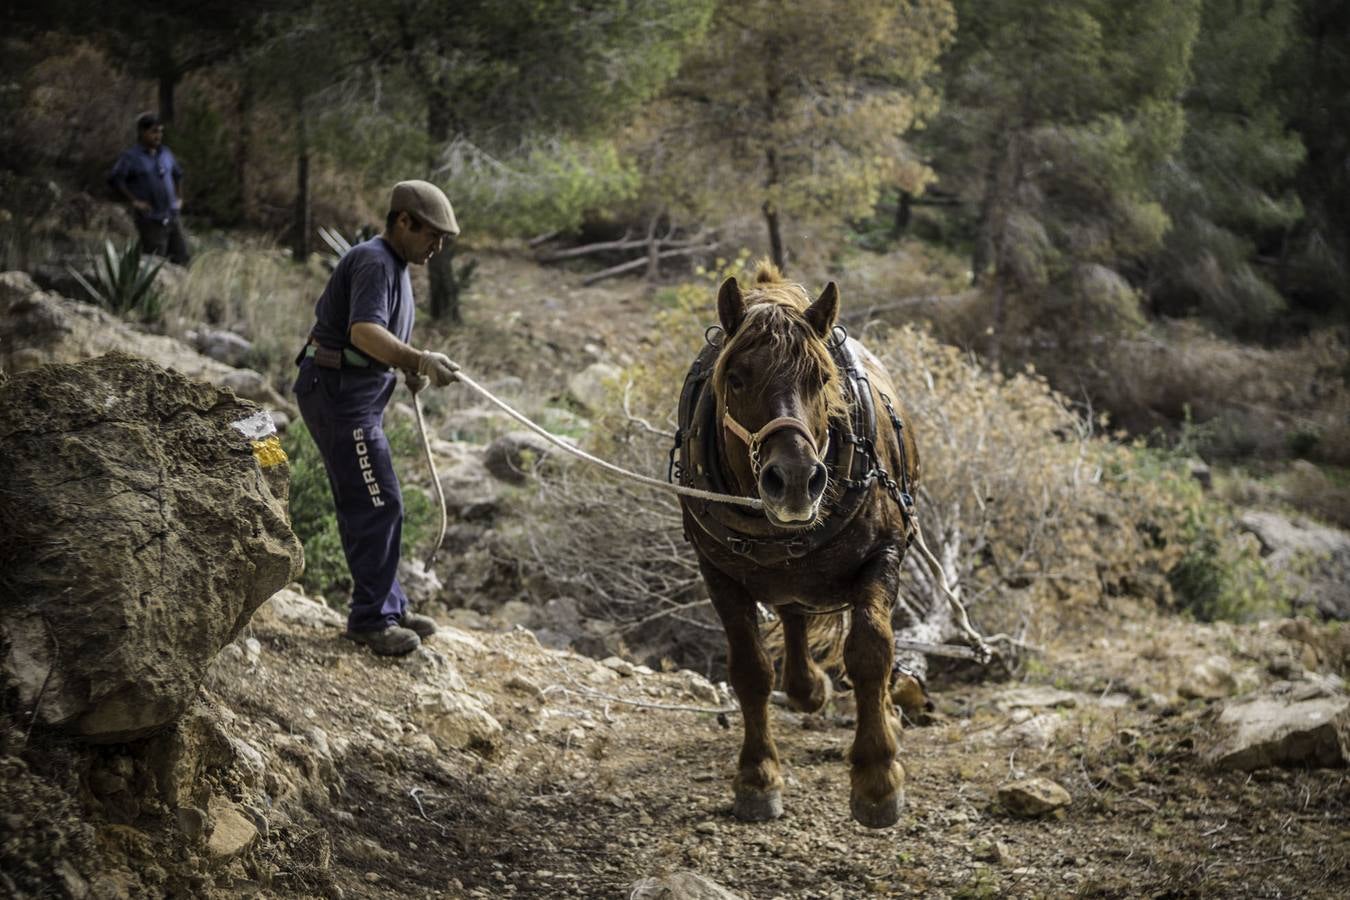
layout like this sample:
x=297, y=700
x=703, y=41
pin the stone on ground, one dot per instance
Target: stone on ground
x=1032, y=797
x=683, y=885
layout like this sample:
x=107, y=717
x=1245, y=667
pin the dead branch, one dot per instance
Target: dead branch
x=642, y=261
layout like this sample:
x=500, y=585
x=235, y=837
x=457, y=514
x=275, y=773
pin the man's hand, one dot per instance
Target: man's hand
x=438, y=367
x=415, y=382
x=142, y=206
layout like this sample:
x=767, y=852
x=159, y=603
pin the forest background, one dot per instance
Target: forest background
x=1143, y=203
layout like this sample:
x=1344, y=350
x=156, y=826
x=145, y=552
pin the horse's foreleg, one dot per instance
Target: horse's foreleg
x=803, y=681
x=759, y=781
x=877, y=778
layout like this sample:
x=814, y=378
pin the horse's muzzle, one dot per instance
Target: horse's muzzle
x=792, y=491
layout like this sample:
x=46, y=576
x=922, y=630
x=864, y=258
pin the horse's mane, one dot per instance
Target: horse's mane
x=775, y=315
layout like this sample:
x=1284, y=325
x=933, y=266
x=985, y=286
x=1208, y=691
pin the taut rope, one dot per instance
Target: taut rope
x=483, y=392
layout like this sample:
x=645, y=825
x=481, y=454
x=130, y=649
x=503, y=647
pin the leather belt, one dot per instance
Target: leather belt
x=329, y=358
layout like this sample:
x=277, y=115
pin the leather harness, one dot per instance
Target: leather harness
x=851, y=458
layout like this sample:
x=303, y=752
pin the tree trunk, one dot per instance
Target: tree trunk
x=775, y=235
x=904, y=211
x=243, y=147
x=444, y=286
x=168, y=81
x=302, y=224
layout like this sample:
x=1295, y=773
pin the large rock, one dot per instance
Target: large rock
x=592, y=385
x=38, y=328
x=1313, y=560
x=1293, y=724
x=139, y=530
x=514, y=456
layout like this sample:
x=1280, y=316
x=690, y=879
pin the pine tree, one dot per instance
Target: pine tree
x=1231, y=186
x=799, y=110
x=1055, y=120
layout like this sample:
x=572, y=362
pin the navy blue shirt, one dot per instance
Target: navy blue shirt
x=370, y=284
x=151, y=177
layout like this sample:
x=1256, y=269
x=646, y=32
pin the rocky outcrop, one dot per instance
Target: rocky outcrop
x=1313, y=560
x=1290, y=724
x=139, y=530
x=38, y=328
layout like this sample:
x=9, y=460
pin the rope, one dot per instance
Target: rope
x=980, y=646
x=435, y=479
x=483, y=392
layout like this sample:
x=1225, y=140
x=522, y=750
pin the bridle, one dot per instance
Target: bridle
x=754, y=442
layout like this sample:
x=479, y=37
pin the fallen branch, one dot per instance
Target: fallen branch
x=642, y=261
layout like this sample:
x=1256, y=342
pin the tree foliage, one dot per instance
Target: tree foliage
x=1231, y=184
x=799, y=114
x=1056, y=119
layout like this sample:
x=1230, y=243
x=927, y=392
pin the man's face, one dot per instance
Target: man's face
x=153, y=136
x=419, y=241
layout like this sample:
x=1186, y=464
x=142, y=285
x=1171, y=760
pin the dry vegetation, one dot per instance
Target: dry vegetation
x=1046, y=520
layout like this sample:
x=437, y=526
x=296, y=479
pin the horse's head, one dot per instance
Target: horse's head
x=777, y=388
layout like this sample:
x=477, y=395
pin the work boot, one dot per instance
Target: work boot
x=391, y=641
x=425, y=626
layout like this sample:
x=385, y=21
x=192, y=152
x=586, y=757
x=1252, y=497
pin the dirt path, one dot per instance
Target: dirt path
x=583, y=796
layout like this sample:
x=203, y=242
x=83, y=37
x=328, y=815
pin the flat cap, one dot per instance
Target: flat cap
x=426, y=202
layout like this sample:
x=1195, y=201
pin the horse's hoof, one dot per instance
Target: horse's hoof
x=880, y=814
x=758, y=806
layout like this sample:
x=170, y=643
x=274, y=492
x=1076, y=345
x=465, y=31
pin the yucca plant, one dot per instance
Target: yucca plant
x=124, y=282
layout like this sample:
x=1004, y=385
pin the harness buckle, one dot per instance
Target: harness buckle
x=740, y=546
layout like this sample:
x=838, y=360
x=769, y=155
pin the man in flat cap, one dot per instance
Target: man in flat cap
x=363, y=322
x=149, y=177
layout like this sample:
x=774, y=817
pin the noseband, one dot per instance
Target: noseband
x=755, y=441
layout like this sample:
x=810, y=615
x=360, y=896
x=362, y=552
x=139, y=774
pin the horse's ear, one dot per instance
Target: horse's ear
x=730, y=306
x=825, y=311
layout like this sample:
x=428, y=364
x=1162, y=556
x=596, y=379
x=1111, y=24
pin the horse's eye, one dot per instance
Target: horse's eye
x=734, y=381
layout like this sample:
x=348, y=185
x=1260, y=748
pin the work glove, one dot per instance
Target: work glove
x=438, y=367
x=415, y=382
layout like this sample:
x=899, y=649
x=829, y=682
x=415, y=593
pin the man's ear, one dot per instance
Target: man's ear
x=730, y=306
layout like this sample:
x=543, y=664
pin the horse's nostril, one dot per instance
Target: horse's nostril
x=819, y=476
x=771, y=483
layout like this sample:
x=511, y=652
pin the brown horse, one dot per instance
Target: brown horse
x=787, y=408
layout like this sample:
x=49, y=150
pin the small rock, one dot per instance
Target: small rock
x=1210, y=680
x=706, y=827
x=518, y=682
x=231, y=833
x=995, y=852
x=1036, y=697
x=1032, y=797
x=192, y=822
x=682, y=885
x=620, y=665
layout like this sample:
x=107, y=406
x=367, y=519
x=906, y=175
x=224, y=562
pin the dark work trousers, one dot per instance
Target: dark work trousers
x=342, y=409
x=163, y=239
